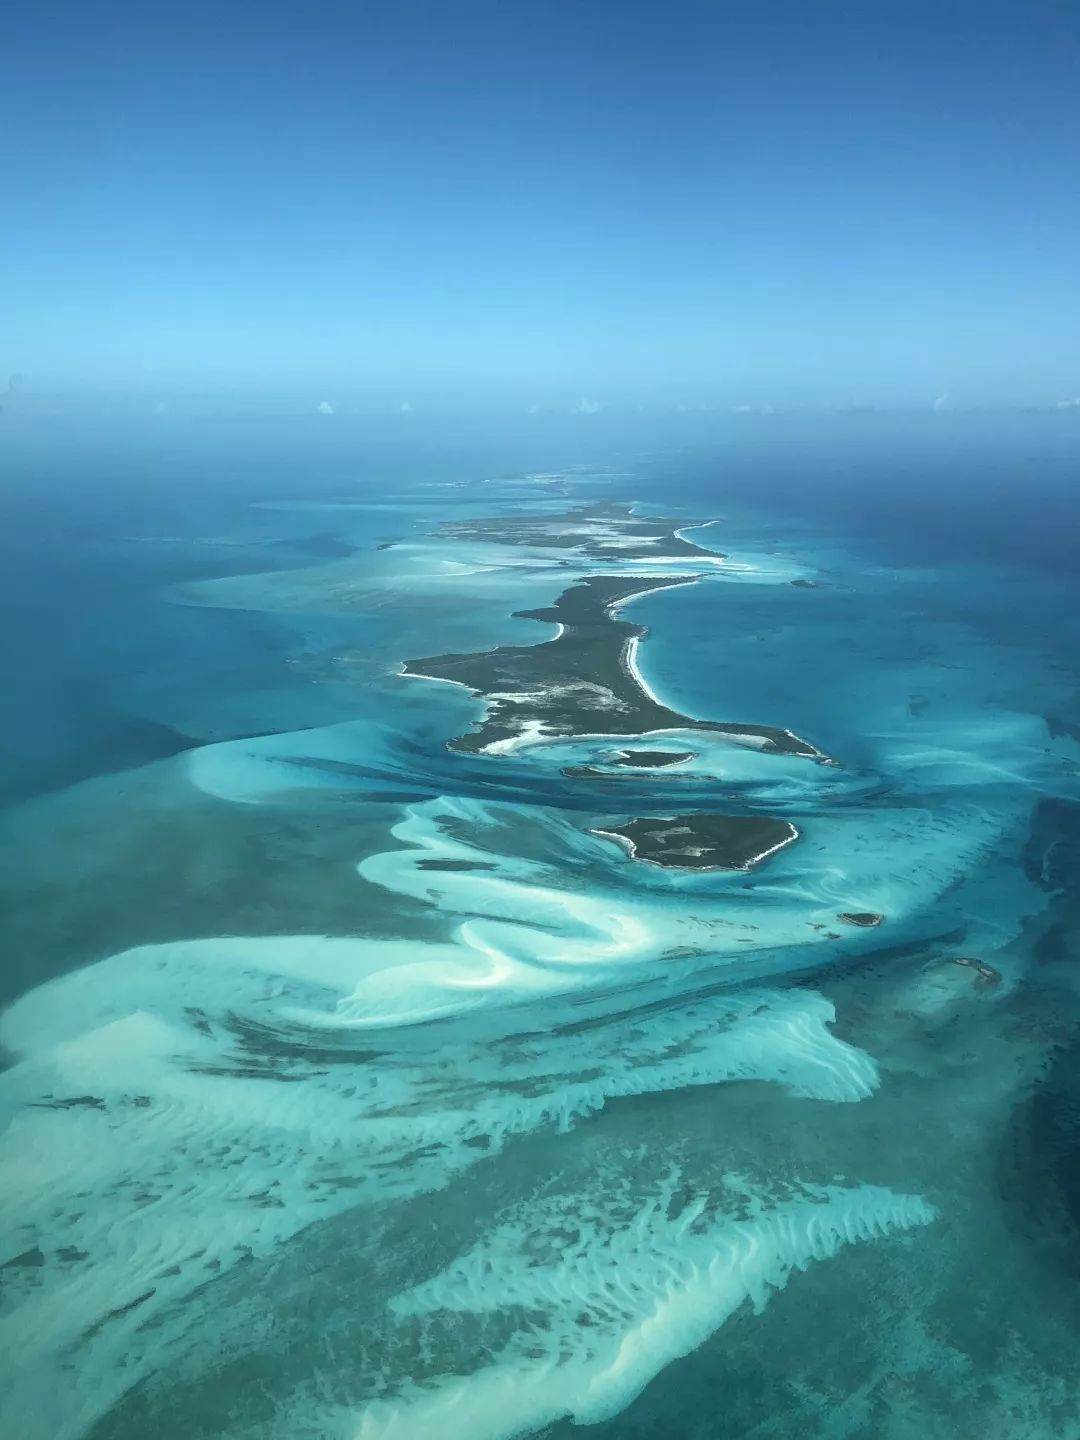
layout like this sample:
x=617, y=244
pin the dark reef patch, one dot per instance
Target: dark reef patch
x=455, y=865
x=1039, y=1159
x=323, y=547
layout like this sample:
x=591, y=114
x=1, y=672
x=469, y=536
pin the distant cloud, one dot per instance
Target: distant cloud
x=1073, y=404
x=586, y=407
x=943, y=401
x=406, y=407
x=324, y=408
x=160, y=407
x=753, y=410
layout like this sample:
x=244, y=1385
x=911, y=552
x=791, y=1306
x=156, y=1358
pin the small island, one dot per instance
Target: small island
x=702, y=842
x=865, y=919
x=985, y=975
x=652, y=759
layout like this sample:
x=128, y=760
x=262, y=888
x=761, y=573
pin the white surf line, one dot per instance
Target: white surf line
x=630, y=665
x=681, y=533
x=435, y=679
x=628, y=542
x=626, y=843
x=614, y=606
x=780, y=845
x=818, y=754
x=704, y=558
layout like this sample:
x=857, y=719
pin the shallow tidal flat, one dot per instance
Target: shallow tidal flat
x=627, y=761
x=599, y=530
x=400, y=1079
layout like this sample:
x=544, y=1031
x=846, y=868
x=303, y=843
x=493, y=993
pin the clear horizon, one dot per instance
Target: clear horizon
x=489, y=207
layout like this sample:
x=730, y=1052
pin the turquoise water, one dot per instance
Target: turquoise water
x=306, y=1138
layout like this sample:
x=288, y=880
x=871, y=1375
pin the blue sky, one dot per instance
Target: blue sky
x=524, y=204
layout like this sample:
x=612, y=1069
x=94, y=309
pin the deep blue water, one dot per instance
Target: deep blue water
x=306, y=1138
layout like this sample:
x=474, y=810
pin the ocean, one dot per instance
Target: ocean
x=517, y=927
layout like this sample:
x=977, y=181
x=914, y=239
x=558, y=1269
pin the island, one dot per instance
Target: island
x=702, y=842
x=652, y=759
x=584, y=681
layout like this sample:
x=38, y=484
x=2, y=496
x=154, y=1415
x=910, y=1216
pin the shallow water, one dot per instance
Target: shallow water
x=358, y=1088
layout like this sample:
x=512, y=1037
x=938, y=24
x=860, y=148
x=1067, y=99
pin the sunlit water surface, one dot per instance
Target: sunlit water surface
x=358, y=1090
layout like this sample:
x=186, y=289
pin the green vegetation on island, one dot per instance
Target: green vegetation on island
x=703, y=842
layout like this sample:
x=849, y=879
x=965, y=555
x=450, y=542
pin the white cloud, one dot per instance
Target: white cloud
x=1073, y=404
x=586, y=407
x=406, y=407
x=324, y=408
x=943, y=401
